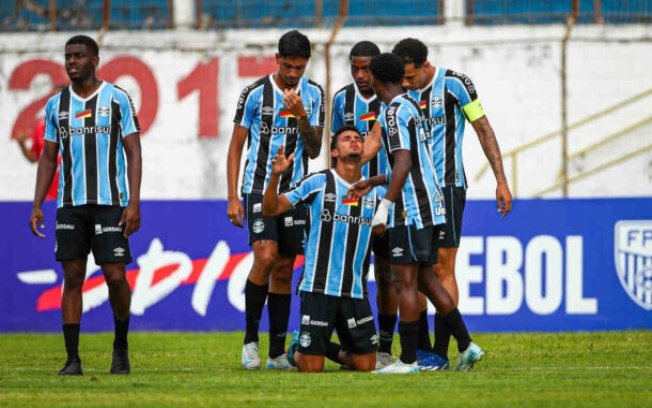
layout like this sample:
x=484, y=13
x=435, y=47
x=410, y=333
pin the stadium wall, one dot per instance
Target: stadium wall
x=186, y=84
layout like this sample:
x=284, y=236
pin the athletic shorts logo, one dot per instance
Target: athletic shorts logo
x=305, y=340
x=258, y=207
x=259, y=226
x=374, y=339
x=118, y=251
x=98, y=229
x=305, y=320
x=351, y=323
x=288, y=221
x=396, y=252
x=633, y=257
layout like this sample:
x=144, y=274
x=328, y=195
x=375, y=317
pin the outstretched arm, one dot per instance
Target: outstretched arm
x=372, y=143
x=489, y=144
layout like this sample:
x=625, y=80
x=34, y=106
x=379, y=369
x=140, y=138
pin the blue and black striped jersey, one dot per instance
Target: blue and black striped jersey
x=405, y=128
x=350, y=108
x=337, y=249
x=89, y=132
x=447, y=101
x=260, y=109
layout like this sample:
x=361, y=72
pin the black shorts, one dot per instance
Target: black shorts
x=380, y=245
x=411, y=245
x=321, y=314
x=451, y=232
x=287, y=229
x=84, y=228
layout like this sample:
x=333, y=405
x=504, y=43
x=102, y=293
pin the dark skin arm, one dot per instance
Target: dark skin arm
x=273, y=204
x=131, y=215
x=400, y=172
x=363, y=187
x=310, y=135
x=234, y=210
x=489, y=144
x=372, y=143
x=47, y=166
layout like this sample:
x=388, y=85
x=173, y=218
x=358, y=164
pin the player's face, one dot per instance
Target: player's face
x=361, y=74
x=349, y=144
x=80, y=63
x=291, y=69
x=415, y=78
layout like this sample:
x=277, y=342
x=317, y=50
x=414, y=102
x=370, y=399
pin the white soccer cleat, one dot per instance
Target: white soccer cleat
x=250, y=358
x=399, y=367
x=279, y=363
x=469, y=357
x=383, y=360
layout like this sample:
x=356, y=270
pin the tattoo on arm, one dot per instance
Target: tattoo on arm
x=311, y=138
x=491, y=150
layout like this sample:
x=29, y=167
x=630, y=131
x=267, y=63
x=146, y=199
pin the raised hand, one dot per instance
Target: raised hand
x=280, y=163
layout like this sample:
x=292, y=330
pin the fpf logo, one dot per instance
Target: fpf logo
x=633, y=257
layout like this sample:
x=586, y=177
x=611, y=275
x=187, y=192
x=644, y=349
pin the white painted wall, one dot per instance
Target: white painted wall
x=516, y=71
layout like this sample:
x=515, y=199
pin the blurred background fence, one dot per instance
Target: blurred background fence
x=74, y=15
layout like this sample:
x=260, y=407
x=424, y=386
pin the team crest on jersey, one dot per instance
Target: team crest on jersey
x=104, y=111
x=435, y=101
x=368, y=202
x=633, y=257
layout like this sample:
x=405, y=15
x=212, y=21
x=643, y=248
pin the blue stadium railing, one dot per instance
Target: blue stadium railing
x=74, y=15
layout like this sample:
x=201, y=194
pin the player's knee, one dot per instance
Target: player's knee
x=115, y=280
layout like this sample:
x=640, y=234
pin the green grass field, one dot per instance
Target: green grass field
x=189, y=369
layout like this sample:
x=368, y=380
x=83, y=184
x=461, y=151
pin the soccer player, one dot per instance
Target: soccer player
x=281, y=109
x=412, y=209
x=449, y=98
x=333, y=288
x=357, y=105
x=93, y=125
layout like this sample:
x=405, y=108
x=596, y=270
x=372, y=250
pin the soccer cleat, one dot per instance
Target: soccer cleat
x=250, y=358
x=120, y=363
x=469, y=357
x=398, y=367
x=294, y=344
x=279, y=363
x=421, y=354
x=383, y=360
x=72, y=367
x=432, y=362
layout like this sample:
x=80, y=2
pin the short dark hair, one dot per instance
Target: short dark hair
x=387, y=68
x=340, y=131
x=294, y=44
x=85, y=40
x=364, y=49
x=411, y=51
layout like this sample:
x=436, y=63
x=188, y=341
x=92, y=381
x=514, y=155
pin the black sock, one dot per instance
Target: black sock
x=255, y=297
x=457, y=327
x=278, y=307
x=386, y=325
x=424, y=332
x=442, y=337
x=409, y=332
x=71, y=338
x=333, y=352
x=121, y=327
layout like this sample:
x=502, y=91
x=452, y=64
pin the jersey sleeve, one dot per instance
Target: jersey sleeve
x=318, y=108
x=129, y=120
x=465, y=93
x=50, y=133
x=306, y=189
x=396, y=128
x=247, y=107
x=337, y=114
